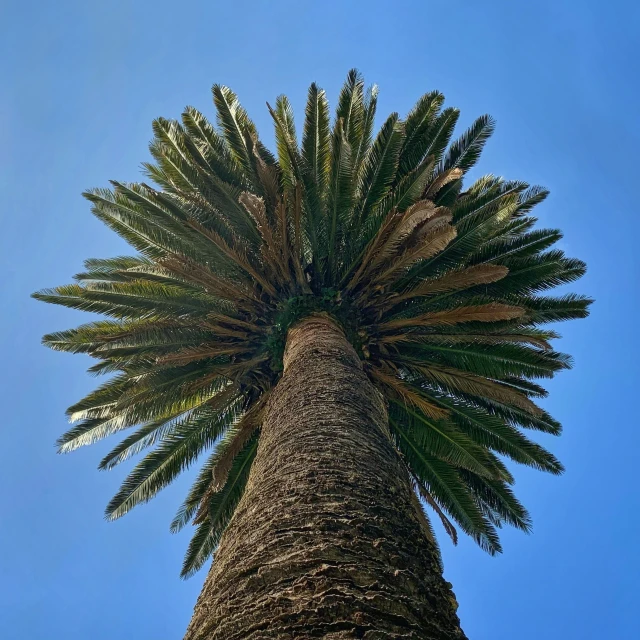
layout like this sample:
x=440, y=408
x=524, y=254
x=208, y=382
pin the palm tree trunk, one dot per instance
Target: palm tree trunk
x=326, y=541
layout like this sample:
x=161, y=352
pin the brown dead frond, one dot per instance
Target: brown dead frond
x=396, y=388
x=454, y=281
x=235, y=254
x=235, y=291
x=216, y=319
x=472, y=384
x=203, y=352
x=463, y=338
x=442, y=180
x=415, y=216
x=428, y=242
x=272, y=247
x=406, y=231
x=394, y=230
x=492, y=312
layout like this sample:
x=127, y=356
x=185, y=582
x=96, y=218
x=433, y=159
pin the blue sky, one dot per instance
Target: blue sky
x=81, y=82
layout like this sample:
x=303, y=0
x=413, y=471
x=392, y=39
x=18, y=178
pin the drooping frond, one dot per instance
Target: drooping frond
x=220, y=508
x=440, y=285
x=179, y=448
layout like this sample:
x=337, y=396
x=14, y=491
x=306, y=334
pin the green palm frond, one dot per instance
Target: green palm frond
x=440, y=285
x=350, y=110
x=379, y=167
x=177, y=450
x=339, y=196
x=419, y=131
x=235, y=126
x=316, y=138
x=220, y=509
x=465, y=152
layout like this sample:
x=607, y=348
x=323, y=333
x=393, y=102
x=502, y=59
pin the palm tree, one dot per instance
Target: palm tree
x=348, y=333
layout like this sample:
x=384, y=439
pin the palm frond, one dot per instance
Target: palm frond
x=465, y=152
x=441, y=286
x=340, y=194
x=221, y=508
x=378, y=167
x=350, y=110
x=177, y=451
x=235, y=125
x=316, y=139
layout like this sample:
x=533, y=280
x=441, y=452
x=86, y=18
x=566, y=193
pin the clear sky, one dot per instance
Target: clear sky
x=80, y=84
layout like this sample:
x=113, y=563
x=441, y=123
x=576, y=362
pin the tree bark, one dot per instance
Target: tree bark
x=326, y=541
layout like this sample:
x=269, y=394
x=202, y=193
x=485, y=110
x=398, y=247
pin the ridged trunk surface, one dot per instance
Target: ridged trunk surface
x=326, y=541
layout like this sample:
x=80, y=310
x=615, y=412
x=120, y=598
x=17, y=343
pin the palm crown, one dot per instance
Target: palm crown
x=437, y=287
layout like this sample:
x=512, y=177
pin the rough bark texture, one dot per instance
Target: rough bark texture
x=326, y=541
